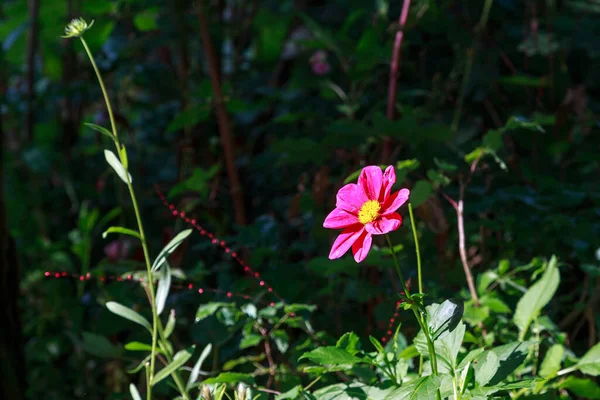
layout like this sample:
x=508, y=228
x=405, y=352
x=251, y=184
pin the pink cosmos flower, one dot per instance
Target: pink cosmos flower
x=365, y=209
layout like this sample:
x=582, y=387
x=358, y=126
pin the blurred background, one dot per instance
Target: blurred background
x=250, y=115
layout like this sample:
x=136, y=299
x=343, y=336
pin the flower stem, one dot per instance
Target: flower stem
x=416, y=238
x=398, y=270
x=418, y=315
x=137, y=216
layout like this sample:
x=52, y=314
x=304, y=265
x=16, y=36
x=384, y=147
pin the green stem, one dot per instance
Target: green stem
x=174, y=374
x=417, y=313
x=137, y=216
x=419, y=273
x=416, y=239
x=398, y=270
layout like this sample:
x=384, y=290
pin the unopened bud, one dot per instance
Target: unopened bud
x=206, y=394
x=76, y=28
x=241, y=391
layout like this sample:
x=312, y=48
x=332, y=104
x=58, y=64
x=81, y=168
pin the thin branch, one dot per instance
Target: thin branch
x=394, y=66
x=223, y=120
x=269, y=355
x=461, y=245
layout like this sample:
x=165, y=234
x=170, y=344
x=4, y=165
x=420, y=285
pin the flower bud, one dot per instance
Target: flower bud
x=242, y=391
x=206, y=394
x=76, y=28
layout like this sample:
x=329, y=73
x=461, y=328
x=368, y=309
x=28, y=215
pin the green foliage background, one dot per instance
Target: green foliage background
x=527, y=78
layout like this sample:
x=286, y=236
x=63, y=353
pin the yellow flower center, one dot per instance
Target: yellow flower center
x=369, y=212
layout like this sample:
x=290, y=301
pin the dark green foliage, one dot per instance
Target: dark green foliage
x=306, y=116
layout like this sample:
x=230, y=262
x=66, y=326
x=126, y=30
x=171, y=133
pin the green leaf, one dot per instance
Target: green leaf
x=170, y=248
x=485, y=367
x=146, y=20
x=510, y=357
x=164, y=285
x=420, y=193
x=116, y=165
x=118, y=229
x=100, y=346
x=292, y=394
x=196, y=370
x=170, y=327
x=349, y=342
x=419, y=389
x=135, y=395
x=590, y=362
x=100, y=129
x=129, y=314
x=123, y=154
x=536, y=297
x=250, y=340
x=330, y=355
x=583, y=388
x=206, y=310
x=448, y=346
x=138, y=346
x=445, y=317
x=139, y=367
x=179, y=359
x=488, y=390
x=377, y=345
x=552, y=361
x=230, y=377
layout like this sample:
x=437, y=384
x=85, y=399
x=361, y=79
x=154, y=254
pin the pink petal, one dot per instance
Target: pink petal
x=370, y=180
x=339, y=218
x=384, y=224
x=345, y=241
x=361, y=247
x=389, y=178
x=350, y=198
x=395, y=201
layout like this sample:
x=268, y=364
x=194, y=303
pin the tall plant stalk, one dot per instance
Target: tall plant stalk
x=138, y=217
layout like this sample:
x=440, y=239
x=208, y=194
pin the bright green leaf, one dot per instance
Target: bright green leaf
x=129, y=314
x=179, y=359
x=114, y=162
x=552, y=361
x=118, y=229
x=536, y=297
x=170, y=248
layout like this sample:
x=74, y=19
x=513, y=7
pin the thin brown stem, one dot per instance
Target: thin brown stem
x=462, y=247
x=223, y=120
x=269, y=354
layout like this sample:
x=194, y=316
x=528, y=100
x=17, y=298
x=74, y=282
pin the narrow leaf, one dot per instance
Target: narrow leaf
x=180, y=358
x=164, y=285
x=119, y=229
x=100, y=129
x=129, y=314
x=170, y=324
x=114, y=162
x=170, y=248
x=135, y=395
x=196, y=370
